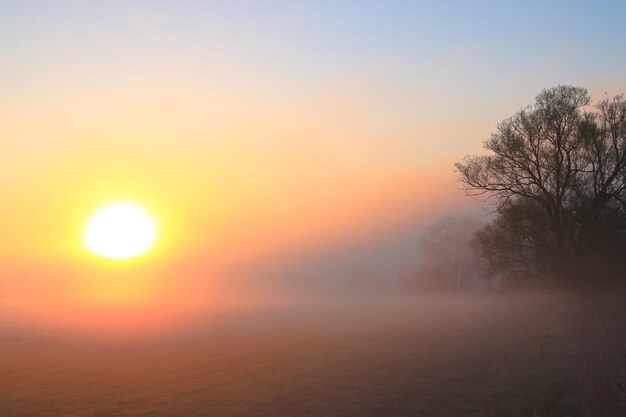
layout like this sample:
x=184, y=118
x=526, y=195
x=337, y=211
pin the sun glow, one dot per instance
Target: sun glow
x=120, y=231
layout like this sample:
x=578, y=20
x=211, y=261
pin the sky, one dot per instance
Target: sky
x=263, y=134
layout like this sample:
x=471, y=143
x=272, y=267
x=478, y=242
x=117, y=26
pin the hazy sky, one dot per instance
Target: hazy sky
x=253, y=130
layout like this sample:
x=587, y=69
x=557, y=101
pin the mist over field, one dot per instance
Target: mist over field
x=333, y=209
x=484, y=355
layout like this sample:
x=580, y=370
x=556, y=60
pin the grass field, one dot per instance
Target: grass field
x=412, y=356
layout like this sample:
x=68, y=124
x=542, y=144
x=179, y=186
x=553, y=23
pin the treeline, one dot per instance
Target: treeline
x=555, y=178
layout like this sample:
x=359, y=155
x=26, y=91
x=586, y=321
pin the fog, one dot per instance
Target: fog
x=399, y=323
x=391, y=355
x=406, y=320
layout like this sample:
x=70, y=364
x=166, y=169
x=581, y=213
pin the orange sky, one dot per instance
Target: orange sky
x=257, y=167
x=259, y=181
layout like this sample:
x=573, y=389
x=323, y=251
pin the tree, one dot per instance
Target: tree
x=449, y=254
x=556, y=172
x=518, y=240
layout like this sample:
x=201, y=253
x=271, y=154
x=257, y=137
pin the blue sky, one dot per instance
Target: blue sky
x=582, y=40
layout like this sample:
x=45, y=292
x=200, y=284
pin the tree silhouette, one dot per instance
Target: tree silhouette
x=557, y=174
x=449, y=254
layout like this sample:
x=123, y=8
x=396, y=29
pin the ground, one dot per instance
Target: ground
x=487, y=355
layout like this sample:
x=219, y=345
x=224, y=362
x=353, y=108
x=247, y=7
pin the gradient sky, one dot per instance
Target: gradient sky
x=255, y=131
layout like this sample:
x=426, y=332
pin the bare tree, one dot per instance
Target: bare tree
x=561, y=158
x=449, y=253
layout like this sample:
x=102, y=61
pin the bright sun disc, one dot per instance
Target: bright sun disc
x=120, y=231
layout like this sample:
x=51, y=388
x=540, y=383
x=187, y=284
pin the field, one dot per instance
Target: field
x=487, y=355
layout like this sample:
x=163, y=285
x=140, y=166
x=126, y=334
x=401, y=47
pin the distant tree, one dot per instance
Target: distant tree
x=556, y=172
x=450, y=257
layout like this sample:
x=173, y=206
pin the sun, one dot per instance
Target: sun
x=120, y=230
